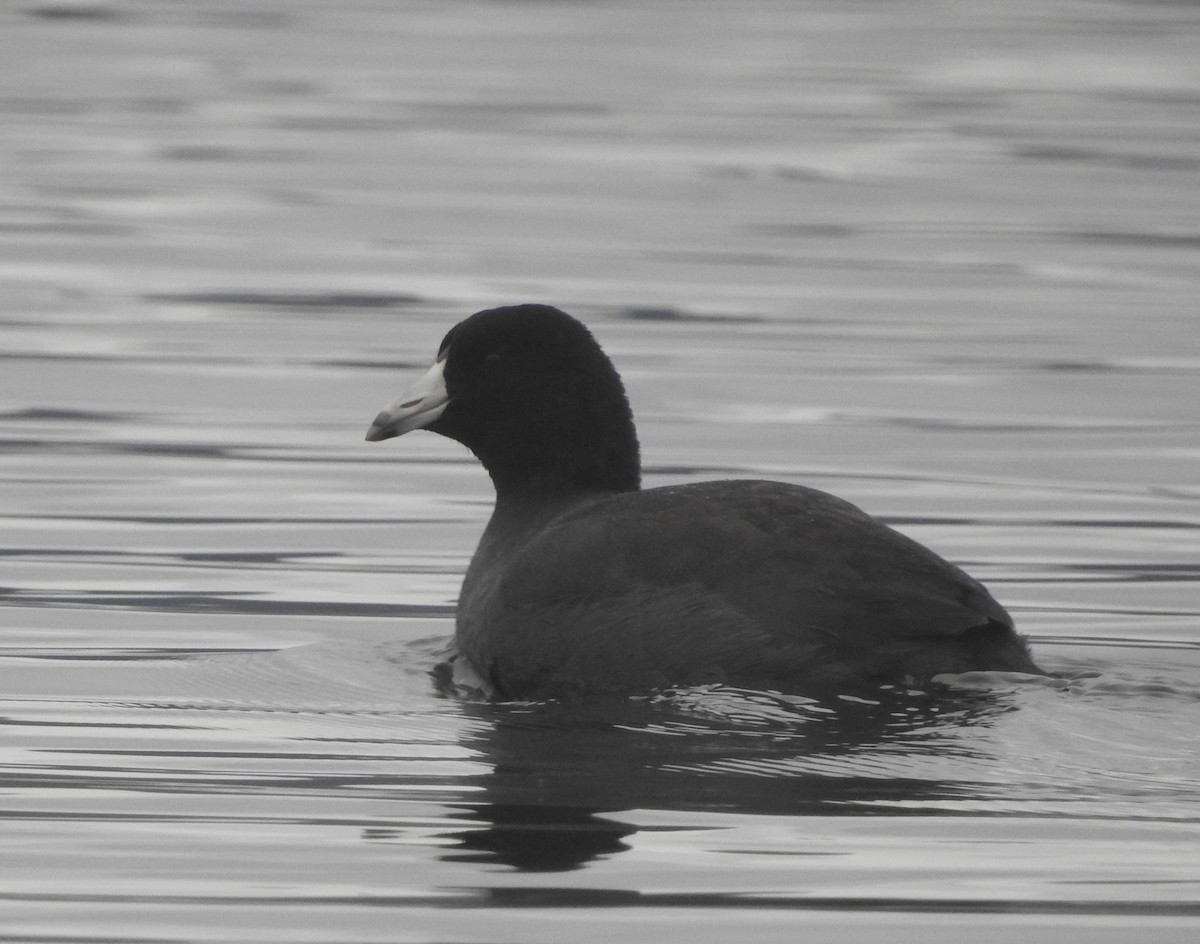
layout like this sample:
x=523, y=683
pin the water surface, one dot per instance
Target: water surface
x=940, y=262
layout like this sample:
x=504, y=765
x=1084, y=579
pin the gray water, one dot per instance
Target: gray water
x=942, y=260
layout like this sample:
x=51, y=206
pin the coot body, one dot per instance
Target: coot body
x=583, y=583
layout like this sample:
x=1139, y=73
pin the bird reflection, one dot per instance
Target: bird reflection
x=539, y=838
x=563, y=773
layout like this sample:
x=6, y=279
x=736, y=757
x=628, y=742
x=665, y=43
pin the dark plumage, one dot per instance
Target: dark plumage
x=583, y=583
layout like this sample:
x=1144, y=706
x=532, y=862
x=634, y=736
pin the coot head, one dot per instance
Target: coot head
x=529, y=391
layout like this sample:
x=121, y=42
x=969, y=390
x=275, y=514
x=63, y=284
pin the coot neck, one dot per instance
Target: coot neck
x=578, y=442
x=575, y=467
x=530, y=495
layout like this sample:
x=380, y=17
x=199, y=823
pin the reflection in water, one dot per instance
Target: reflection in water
x=537, y=838
x=556, y=767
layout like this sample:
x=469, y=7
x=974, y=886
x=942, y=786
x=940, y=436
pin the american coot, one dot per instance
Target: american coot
x=584, y=583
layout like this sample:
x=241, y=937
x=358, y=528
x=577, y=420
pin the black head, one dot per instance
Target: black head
x=530, y=392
